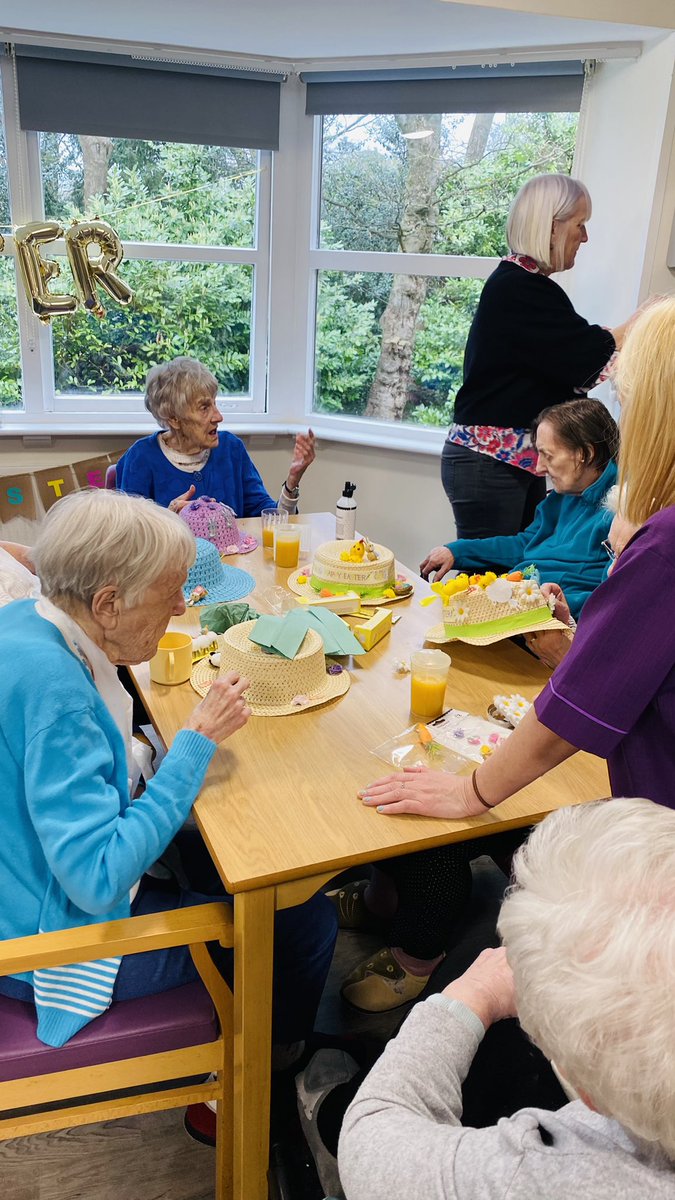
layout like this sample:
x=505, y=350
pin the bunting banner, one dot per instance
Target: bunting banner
x=31, y=494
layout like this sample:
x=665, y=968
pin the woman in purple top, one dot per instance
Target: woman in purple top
x=614, y=693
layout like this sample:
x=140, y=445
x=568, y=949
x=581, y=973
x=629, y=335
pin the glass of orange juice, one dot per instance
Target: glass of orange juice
x=286, y=545
x=428, y=680
x=269, y=518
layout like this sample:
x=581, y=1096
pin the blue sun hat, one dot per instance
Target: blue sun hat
x=209, y=581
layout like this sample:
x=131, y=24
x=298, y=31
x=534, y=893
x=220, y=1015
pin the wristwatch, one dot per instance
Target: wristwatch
x=292, y=492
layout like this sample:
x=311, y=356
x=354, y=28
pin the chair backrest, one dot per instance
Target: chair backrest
x=111, y=477
x=127, y=1047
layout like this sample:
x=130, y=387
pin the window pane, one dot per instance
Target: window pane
x=152, y=191
x=437, y=184
x=416, y=382
x=10, y=360
x=199, y=309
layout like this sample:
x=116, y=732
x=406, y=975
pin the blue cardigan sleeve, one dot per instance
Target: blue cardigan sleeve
x=96, y=845
x=481, y=554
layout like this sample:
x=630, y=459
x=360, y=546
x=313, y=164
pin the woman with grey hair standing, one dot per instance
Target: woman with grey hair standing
x=74, y=846
x=190, y=457
x=588, y=965
x=527, y=349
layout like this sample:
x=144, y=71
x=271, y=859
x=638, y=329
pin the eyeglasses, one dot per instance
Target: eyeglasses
x=610, y=550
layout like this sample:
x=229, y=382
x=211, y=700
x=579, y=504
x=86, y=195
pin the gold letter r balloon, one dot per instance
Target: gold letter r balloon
x=89, y=271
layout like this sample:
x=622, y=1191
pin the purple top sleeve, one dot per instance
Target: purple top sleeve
x=623, y=650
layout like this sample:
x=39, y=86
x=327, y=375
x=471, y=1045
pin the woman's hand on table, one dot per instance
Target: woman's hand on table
x=486, y=987
x=304, y=453
x=179, y=502
x=440, y=559
x=223, y=710
x=423, y=793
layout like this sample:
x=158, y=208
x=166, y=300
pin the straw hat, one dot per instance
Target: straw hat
x=216, y=581
x=525, y=612
x=217, y=523
x=275, y=681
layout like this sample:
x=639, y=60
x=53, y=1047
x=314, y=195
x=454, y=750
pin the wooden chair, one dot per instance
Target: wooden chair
x=40, y=1086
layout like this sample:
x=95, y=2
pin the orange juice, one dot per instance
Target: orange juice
x=286, y=546
x=268, y=537
x=427, y=696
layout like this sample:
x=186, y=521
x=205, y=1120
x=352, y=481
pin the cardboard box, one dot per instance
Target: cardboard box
x=370, y=632
x=343, y=605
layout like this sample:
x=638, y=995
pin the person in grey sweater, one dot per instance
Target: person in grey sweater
x=588, y=964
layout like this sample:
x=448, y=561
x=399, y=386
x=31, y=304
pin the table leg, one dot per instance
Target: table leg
x=253, y=953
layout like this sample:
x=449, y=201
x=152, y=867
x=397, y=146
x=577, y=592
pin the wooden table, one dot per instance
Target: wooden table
x=280, y=815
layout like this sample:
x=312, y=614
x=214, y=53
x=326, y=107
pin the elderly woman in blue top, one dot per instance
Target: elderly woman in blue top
x=74, y=845
x=577, y=444
x=190, y=457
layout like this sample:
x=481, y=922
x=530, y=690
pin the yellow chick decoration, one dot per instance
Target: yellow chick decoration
x=452, y=587
x=356, y=553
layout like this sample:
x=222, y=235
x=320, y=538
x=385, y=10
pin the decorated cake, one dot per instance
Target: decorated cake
x=485, y=608
x=361, y=566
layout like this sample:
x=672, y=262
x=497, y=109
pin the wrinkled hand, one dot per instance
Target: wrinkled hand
x=223, y=710
x=304, y=453
x=487, y=987
x=562, y=609
x=440, y=559
x=424, y=793
x=180, y=501
x=549, y=645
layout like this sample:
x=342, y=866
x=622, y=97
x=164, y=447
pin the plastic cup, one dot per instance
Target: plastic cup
x=286, y=545
x=270, y=517
x=428, y=681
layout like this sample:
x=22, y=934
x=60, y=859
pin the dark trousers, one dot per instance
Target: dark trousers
x=488, y=497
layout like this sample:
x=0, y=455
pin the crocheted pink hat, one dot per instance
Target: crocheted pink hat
x=216, y=523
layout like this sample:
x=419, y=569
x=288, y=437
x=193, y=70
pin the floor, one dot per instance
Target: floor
x=152, y=1156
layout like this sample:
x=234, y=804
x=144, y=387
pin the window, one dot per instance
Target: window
x=10, y=357
x=410, y=220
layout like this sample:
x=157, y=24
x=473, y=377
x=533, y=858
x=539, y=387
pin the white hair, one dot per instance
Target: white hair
x=90, y=539
x=589, y=930
x=171, y=387
x=541, y=201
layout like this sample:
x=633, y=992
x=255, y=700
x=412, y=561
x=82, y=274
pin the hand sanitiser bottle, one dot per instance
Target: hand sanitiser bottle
x=345, y=514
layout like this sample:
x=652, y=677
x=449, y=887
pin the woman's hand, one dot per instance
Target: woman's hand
x=180, y=501
x=22, y=554
x=304, y=453
x=549, y=645
x=562, y=609
x=440, y=559
x=486, y=988
x=423, y=793
x=223, y=710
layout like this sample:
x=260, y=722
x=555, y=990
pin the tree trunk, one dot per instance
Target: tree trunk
x=96, y=152
x=478, y=138
x=389, y=391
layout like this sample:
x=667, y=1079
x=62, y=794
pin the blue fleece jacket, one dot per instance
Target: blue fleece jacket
x=564, y=542
x=72, y=845
x=229, y=476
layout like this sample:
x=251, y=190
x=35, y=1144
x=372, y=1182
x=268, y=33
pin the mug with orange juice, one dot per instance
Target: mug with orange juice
x=286, y=545
x=428, y=681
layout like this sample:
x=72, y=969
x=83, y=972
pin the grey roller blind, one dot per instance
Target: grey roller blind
x=119, y=96
x=524, y=87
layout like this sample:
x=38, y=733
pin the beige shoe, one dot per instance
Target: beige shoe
x=379, y=984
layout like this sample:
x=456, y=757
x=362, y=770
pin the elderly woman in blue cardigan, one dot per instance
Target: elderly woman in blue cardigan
x=191, y=457
x=576, y=444
x=75, y=845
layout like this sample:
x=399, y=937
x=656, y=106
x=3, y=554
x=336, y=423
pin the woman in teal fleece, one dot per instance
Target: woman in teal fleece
x=577, y=444
x=74, y=844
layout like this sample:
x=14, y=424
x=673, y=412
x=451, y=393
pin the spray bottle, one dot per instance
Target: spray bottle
x=345, y=514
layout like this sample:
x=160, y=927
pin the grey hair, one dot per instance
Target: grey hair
x=171, y=387
x=589, y=930
x=541, y=201
x=94, y=538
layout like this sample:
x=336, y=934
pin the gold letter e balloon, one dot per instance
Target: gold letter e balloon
x=89, y=271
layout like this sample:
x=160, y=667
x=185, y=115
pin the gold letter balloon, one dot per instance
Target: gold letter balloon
x=88, y=271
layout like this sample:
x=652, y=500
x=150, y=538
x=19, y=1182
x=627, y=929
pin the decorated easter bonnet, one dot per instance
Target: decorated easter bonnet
x=483, y=609
x=217, y=523
x=210, y=581
x=279, y=686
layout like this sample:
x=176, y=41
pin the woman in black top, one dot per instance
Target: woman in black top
x=527, y=349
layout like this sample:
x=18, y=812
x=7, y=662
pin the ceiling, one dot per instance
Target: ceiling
x=318, y=29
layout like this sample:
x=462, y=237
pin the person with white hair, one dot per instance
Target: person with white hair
x=527, y=349
x=74, y=845
x=191, y=457
x=588, y=966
